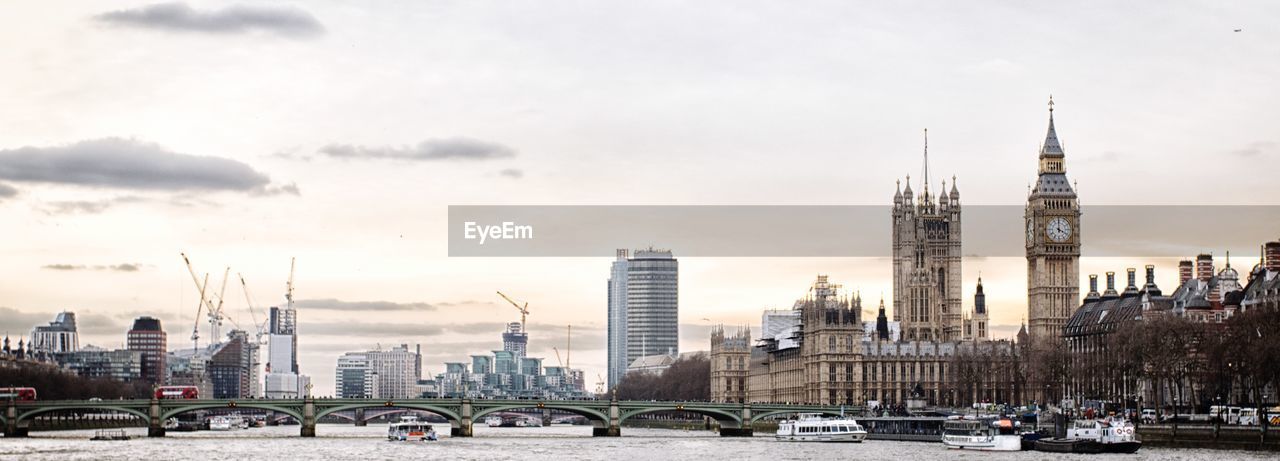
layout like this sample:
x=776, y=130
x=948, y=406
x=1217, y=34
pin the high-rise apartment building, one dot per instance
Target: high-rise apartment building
x=617, y=312
x=384, y=374
x=58, y=336
x=515, y=340
x=146, y=336
x=652, y=304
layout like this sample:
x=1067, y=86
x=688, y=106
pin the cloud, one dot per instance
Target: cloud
x=362, y=306
x=125, y=267
x=1257, y=149
x=179, y=17
x=512, y=173
x=431, y=149
x=18, y=324
x=287, y=189
x=128, y=164
x=7, y=191
x=368, y=329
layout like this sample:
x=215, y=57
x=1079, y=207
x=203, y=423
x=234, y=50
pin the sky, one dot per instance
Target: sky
x=246, y=134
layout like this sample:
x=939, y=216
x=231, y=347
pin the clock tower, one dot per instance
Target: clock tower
x=1052, y=220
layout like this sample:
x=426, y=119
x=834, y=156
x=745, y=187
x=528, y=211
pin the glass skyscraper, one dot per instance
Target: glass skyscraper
x=643, y=308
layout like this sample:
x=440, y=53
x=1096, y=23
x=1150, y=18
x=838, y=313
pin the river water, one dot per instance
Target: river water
x=555, y=442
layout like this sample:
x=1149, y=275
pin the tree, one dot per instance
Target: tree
x=688, y=378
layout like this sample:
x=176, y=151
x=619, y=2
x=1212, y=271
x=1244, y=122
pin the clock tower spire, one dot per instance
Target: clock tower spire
x=1052, y=219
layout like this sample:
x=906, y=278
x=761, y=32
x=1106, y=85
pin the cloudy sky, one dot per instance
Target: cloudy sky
x=339, y=132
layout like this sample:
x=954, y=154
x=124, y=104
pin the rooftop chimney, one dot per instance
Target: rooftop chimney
x=1093, y=288
x=1271, y=256
x=1132, y=288
x=1186, y=269
x=1111, y=286
x=1151, y=287
x=1204, y=267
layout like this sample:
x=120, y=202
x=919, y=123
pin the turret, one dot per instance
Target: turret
x=979, y=299
x=1093, y=288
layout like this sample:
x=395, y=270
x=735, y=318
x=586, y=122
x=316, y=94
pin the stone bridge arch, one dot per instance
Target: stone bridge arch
x=449, y=413
x=170, y=410
x=26, y=416
x=599, y=418
x=727, y=418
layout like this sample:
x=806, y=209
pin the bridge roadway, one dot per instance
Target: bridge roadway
x=606, y=416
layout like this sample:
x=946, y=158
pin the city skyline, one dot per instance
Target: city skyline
x=774, y=118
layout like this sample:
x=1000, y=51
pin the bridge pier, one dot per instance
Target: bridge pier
x=155, y=426
x=308, y=417
x=359, y=418
x=546, y=417
x=11, y=427
x=614, y=428
x=744, y=428
x=463, y=427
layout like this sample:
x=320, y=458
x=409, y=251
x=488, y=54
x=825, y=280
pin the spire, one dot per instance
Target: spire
x=955, y=193
x=926, y=162
x=1051, y=146
x=897, y=194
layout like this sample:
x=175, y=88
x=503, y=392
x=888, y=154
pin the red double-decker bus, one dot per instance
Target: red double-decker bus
x=177, y=392
x=21, y=394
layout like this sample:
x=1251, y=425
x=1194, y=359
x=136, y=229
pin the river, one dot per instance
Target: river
x=555, y=442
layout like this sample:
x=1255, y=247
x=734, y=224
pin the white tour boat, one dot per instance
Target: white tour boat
x=987, y=434
x=812, y=427
x=410, y=429
x=223, y=423
x=493, y=421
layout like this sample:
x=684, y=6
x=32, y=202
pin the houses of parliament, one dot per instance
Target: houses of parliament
x=934, y=351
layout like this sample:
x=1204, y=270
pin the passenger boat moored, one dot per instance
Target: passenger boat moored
x=812, y=427
x=987, y=434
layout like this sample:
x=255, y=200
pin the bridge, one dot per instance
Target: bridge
x=605, y=416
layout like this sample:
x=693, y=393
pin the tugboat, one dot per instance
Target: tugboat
x=812, y=427
x=410, y=429
x=986, y=434
x=1112, y=435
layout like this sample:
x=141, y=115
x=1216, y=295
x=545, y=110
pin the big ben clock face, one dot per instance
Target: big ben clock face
x=1058, y=230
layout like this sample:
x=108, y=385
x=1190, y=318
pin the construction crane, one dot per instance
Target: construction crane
x=195, y=330
x=524, y=311
x=288, y=294
x=248, y=300
x=561, y=362
x=568, y=346
x=214, y=313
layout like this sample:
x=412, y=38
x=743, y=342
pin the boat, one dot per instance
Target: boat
x=813, y=427
x=410, y=429
x=986, y=434
x=223, y=423
x=110, y=434
x=493, y=421
x=1111, y=435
